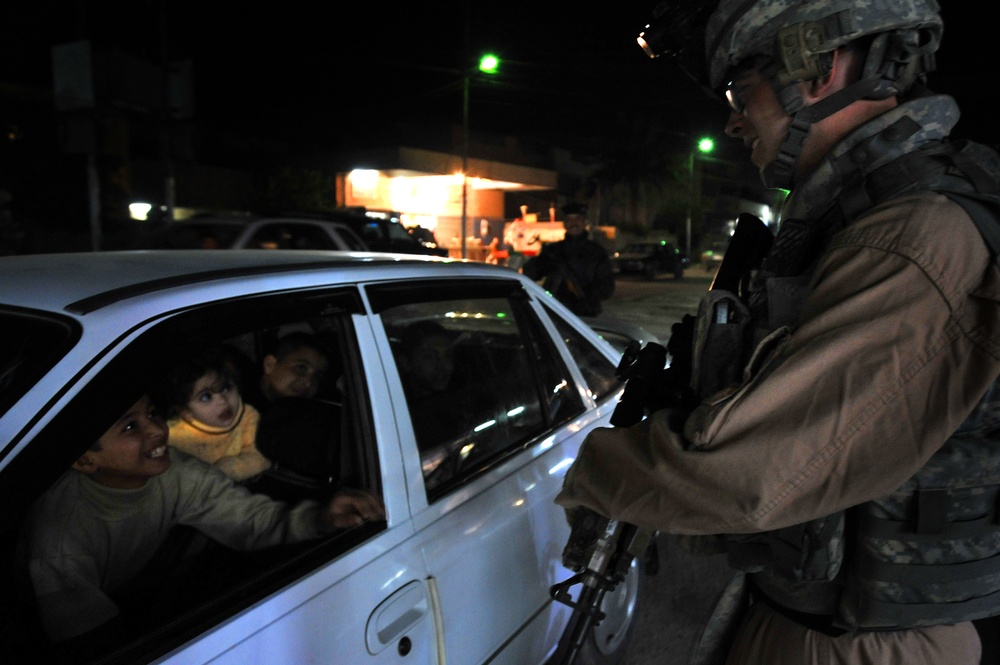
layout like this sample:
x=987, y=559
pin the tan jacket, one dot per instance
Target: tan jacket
x=898, y=340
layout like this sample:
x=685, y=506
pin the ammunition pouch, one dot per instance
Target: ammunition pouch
x=720, y=342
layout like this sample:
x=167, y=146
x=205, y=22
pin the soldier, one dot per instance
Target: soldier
x=576, y=270
x=851, y=469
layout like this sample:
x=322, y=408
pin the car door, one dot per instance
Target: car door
x=482, y=490
x=362, y=595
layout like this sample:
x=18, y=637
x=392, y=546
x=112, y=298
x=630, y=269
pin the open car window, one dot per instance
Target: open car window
x=201, y=575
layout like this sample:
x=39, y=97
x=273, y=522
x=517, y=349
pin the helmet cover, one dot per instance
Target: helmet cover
x=790, y=30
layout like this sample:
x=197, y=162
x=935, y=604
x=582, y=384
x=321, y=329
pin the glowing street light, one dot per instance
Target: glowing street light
x=705, y=145
x=489, y=64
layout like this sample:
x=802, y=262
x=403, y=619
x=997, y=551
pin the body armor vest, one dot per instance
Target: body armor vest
x=930, y=552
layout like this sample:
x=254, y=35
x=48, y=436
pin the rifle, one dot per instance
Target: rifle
x=600, y=550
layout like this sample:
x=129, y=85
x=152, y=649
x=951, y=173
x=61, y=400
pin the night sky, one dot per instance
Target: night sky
x=569, y=70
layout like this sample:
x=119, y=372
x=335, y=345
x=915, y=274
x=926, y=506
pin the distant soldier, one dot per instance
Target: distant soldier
x=576, y=270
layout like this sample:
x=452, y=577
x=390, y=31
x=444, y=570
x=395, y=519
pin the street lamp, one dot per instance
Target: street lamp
x=488, y=64
x=705, y=145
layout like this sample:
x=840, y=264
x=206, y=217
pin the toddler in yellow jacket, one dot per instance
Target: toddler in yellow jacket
x=209, y=419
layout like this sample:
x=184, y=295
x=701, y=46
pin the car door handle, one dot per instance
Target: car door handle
x=396, y=615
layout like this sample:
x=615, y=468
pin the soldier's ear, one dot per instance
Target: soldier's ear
x=834, y=77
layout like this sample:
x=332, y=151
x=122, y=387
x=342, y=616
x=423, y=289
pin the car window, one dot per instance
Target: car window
x=399, y=233
x=350, y=239
x=291, y=236
x=195, y=235
x=598, y=371
x=481, y=377
x=317, y=445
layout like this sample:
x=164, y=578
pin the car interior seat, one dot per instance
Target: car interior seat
x=302, y=439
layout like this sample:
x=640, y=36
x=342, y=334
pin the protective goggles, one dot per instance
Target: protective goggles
x=739, y=81
x=736, y=97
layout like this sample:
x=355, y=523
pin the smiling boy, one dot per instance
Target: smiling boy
x=99, y=525
x=296, y=368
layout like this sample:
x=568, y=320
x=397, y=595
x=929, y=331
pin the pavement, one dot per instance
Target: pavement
x=675, y=604
x=657, y=304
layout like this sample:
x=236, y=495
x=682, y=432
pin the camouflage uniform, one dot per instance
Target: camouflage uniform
x=896, y=342
x=869, y=360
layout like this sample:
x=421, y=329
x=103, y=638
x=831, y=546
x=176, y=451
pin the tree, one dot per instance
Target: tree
x=300, y=189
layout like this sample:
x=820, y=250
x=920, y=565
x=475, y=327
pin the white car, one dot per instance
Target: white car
x=461, y=568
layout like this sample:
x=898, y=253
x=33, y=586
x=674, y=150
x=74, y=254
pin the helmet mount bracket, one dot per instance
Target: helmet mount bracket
x=800, y=47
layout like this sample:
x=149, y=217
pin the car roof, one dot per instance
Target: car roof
x=85, y=281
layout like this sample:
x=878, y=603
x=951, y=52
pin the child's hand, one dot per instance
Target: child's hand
x=350, y=507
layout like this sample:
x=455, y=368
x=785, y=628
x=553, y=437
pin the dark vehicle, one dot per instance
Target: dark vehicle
x=649, y=258
x=382, y=231
x=426, y=238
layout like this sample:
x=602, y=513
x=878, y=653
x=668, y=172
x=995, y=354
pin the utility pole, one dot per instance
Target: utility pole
x=488, y=64
x=465, y=127
x=465, y=157
x=165, y=119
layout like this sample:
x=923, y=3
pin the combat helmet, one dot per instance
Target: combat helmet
x=789, y=41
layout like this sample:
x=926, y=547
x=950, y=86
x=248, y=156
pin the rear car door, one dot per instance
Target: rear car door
x=358, y=596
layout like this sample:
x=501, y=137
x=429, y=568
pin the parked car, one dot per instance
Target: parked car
x=462, y=565
x=427, y=238
x=253, y=232
x=650, y=258
x=381, y=231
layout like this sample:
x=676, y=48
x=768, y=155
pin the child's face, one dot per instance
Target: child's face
x=298, y=375
x=215, y=401
x=132, y=451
